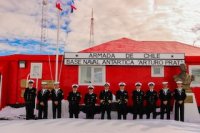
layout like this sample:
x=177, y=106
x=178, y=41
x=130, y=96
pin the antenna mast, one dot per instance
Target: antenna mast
x=91, y=42
x=44, y=24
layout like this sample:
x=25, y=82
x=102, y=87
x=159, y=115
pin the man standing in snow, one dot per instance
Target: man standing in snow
x=105, y=101
x=122, y=101
x=29, y=98
x=57, y=97
x=165, y=99
x=74, y=98
x=90, y=101
x=179, y=96
x=43, y=97
x=151, y=98
x=138, y=100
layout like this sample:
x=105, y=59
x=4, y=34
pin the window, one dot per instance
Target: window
x=94, y=75
x=195, y=71
x=157, y=71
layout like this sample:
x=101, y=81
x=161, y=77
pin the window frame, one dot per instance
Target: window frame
x=92, y=76
x=190, y=72
x=162, y=74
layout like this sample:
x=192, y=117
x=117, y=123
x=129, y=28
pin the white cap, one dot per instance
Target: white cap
x=151, y=83
x=75, y=85
x=30, y=81
x=138, y=84
x=107, y=84
x=90, y=87
x=122, y=84
x=164, y=83
x=179, y=82
x=44, y=83
x=56, y=83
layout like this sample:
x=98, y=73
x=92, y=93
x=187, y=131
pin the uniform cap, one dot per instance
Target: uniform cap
x=151, y=84
x=30, y=81
x=179, y=82
x=90, y=87
x=44, y=83
x=75, y=86
x=138, y=84
x=164, y=83
x=122, y=84
x=56, y=83
x=107, y=84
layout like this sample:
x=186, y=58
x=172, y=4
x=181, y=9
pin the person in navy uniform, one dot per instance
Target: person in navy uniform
x=43, y=97
x=90, y=101
x=57, y=97
x=138, y=100
x=151, y=99
x=165, y=99
x=179, y=96
x=29, y=98
x=122, y=100
x=105, y=101
x=74, y=98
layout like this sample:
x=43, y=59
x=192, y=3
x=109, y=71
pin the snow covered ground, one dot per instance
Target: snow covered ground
x=97, y=126
x=18, y=124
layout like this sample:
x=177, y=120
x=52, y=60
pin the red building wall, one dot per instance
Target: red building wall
x=12, y=76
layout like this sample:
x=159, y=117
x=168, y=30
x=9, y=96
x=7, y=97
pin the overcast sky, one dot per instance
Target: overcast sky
x=159, y=20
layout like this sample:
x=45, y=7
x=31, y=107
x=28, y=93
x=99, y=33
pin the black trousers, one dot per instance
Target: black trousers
x=122, y=111
x=151, y=108
x=42, y=111
x=73, y=110
x=105, y=108
x=164, y=109
x=30, y=111
x=179, y=110
x=90, y=111
x=57, y=110
x=137, y=110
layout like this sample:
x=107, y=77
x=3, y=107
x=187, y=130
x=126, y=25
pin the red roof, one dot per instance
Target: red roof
x=128, y=45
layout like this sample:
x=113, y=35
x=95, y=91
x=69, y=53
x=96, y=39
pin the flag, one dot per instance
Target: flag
x=59, y=5
x=72, y=5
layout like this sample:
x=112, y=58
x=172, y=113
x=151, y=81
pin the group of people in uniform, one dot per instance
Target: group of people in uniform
x=139, y=97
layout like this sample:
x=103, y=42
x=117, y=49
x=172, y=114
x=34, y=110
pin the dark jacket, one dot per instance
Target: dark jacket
x=106, y=96
x=138, y=97
x=179, y=96
x=74, y=98
x=43, y=97
x=59, y=97
x=121, y=96
x=90, y=99
x=29, y=96
x=151, y=97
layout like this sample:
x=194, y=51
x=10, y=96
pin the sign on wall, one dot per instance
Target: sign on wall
x=36, y=70
x=128, y=59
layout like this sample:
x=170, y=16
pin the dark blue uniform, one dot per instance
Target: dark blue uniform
x=121, y=97
x=90, y=100
x=138, y=100
x=74, y=100
x=165, y=95
x=179, y=95
x=106, y=96
x=151, y=98
x=57, y=97
x=29, y=98
x=43, y=96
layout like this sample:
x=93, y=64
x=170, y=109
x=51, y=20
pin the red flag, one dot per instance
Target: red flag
x=58, y=5
x=72, y=6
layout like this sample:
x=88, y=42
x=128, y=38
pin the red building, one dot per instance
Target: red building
x=15, y=69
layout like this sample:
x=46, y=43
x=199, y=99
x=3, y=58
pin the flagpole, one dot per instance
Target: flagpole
x=57, y=44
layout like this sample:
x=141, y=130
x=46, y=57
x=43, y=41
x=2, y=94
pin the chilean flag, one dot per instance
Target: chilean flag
x=59, y=5
x=72, y=5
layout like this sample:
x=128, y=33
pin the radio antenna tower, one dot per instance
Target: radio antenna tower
x=91, y=42
x=44, y=24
